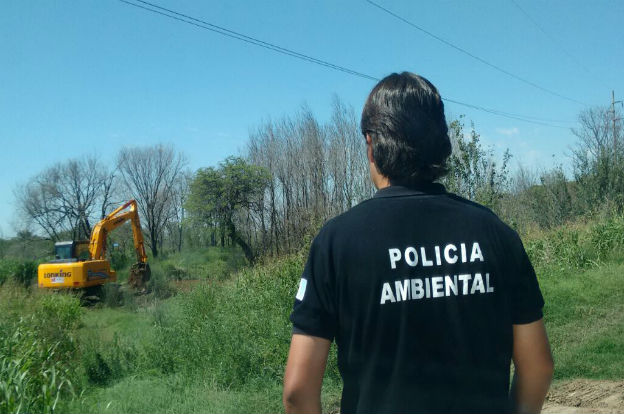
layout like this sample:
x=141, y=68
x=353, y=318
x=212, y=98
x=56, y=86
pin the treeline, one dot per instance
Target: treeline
x=549, y=198
x=297, y=173
x=65, y=200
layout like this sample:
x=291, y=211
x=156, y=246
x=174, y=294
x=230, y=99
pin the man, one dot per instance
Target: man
x=427, y=295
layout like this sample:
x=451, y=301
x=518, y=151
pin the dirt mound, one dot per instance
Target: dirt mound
x=585, y=396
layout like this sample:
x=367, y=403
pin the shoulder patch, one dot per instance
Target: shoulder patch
x=302, y=288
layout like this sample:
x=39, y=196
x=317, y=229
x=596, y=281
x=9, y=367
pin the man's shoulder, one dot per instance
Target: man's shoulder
x=361, y=218
x=485, y=214
x=347, y=222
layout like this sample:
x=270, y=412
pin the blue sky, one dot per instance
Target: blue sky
x=88, y=77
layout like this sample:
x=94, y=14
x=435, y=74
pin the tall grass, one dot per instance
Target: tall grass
x=578, y=245
x=36, y=349
x=223, y=345
x=214, y=263
x=234, y=333
x=23, y=272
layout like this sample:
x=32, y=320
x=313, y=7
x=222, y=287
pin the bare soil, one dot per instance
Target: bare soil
x=585, y=396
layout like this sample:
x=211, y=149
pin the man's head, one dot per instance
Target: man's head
x=404, y=124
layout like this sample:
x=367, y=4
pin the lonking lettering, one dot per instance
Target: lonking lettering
x=60, y=273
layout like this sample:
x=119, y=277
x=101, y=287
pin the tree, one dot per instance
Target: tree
x=473, y=171
x=177, y=214
x=227, y=194
x=318, y=170
x=149, y=175
x=598, y=157
x=65, y=198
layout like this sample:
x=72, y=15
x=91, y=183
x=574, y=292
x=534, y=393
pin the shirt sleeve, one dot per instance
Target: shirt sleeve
x=526, y=298
x=314, y=311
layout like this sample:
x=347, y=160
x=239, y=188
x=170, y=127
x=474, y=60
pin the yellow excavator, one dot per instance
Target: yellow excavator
x=82, y=264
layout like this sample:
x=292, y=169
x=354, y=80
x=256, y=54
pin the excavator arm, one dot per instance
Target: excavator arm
x=140, y=271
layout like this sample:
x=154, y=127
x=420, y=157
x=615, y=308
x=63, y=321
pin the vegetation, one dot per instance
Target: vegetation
x=212, y=332
x=221, y=345
x=38, y=338
x=217, y=195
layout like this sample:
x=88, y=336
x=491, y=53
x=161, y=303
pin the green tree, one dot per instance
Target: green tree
x=226, y=193
x=473, y=171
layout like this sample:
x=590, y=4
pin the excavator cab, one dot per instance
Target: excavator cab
x=71, y=251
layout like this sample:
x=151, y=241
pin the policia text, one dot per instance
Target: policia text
x=436, y=286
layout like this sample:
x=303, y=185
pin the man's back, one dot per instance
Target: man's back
x=420, y=290
x=427, y=295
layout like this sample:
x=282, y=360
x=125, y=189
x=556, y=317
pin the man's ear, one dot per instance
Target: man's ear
x=369, y=149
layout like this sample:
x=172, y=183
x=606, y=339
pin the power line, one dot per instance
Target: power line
x=464, y=51
x=239, y=36
x=523, y=118
x=555, y=42
x=154, y=8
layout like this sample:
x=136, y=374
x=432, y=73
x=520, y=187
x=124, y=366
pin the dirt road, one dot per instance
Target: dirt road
x=586, y=396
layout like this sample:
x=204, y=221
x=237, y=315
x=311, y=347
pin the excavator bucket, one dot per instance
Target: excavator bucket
x=139, y=275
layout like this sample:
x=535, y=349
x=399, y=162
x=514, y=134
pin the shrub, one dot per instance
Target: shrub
x=112, y=295
x=25, y=273
x=118, y=259
x=7, y=269
x=34, y=371
x=97, y=369
x=159, y=285
x=174, y=272
x=234, y=333
x=577, y=245
x=106, y=361
x=37, y=344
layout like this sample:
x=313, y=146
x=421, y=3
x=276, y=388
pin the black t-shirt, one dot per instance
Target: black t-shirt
x=420, y=289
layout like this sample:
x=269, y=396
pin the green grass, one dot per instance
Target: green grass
x=215, y=263
x=37, y=345
x=174, y=394
x=584, y=314
x=106, y=323
x=222, y=346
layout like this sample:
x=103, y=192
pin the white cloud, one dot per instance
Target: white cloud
x=508, y=131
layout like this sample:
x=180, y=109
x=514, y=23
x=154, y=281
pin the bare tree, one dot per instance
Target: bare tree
x=598, y=157
x=149, y=175
x=594, y=133
x=177, y=214
x=317, y=170
x=109, y=192
x=63, y=199
x=37, y=204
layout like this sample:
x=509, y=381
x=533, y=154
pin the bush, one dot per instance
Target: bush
x=33, y=373
x=577, y=245
x=8, y=268
x=118, y=259
x=112, y=295
x=105, y=361
x=22, y=272
x=174, y=272
x=25, y=273
x=233, y=333
x=159, y=285
x=36, y=347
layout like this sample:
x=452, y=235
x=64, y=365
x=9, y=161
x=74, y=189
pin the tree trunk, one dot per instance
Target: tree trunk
x=236, y=238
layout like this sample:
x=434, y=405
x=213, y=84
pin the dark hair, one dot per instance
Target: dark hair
x=404, y=116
